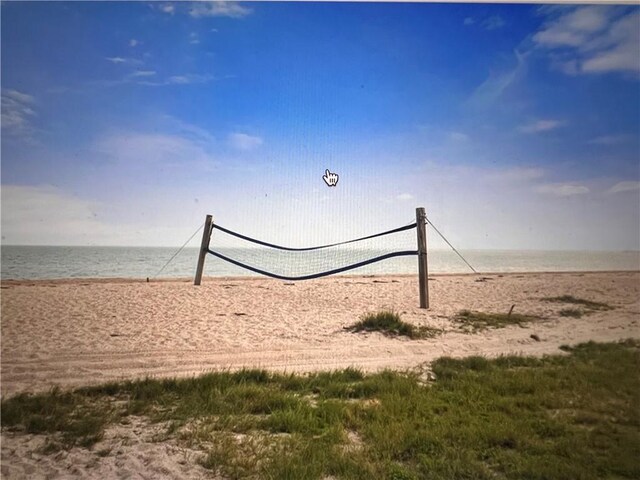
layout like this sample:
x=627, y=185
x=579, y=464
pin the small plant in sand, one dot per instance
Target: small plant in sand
x=476, y=321
x=579, y=301
x=390, y=323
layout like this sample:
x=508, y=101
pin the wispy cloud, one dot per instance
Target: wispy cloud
x=541, y=126
x=512, y=175
x=193, y=38
x=458, y=137
x=167, y=8
x=497, y=83
x=123, y=60
x=142, y=73
x=219, y=9
x=186, y=79
x=133, y=42
x=242, y=141
x=591, y=39
x=612, y=139
x=493, y=22
x=44, y=214
x=144, y=78
x=17, y=112
x=403, y=197
x=192, y=132
x=39, y=214
x=627, y=186
x=562, y=189
x=116, y=59
x=132, y=150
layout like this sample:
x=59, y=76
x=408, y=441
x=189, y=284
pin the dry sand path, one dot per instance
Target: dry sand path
x=77, y=332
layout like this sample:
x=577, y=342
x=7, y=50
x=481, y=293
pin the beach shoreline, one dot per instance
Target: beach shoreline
x=74, y=332
x=22, y=281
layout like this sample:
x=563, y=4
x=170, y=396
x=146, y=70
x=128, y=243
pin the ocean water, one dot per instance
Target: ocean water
x=31, y=262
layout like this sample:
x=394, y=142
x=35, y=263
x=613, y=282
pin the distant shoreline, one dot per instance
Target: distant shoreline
x=138, y=263
x=71, y=280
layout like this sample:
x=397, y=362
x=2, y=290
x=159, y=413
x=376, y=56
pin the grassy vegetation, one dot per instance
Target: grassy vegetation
x=579, y=301
x=476, y=321
x=565, y=416
x=390, y=323
x=75, y=419
x=571, y=312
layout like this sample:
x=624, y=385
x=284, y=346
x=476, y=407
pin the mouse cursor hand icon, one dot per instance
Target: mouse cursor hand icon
x=331, y=179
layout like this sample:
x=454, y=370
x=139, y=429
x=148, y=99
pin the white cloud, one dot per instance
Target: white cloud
x=541, y=126
x=116, y=59
x=17, y=112
x=186, y=79
x=496, y=84
x=133, y=150
x=242, y=141
x=612, y=139
x=458, y=137
x=562, y=189
x=592, y=39
x=143, y=73
x=133, y=42
x=45, y=215
x=493, y=23
x=404, y=197
x=187, y=130
x=193, y=38
x=626, y=186
x=219, y=9
x=19, y=96
x=167, y=8
x=142, y=77
x=123, y=60
x=574, y=27
x=512, y=175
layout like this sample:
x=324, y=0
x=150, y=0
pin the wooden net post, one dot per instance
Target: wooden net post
x=204, y=246
x=423, y=270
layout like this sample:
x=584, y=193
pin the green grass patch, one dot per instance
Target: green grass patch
x=571, y=312
x=476, y=321
x=72, y=416
x=556, y=417
x=389, y=323
x=579, y=301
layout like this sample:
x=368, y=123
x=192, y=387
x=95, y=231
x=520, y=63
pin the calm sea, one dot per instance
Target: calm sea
x=21, y=262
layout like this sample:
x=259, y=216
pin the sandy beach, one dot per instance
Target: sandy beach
x=79, y=332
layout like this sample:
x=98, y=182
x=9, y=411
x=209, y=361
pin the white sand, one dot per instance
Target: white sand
x=73, y=333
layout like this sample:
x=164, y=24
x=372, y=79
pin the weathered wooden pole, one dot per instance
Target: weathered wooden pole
x=423, y=270
x=204, y=246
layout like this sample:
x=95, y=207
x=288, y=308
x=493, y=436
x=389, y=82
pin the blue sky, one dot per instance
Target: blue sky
x=516, y=126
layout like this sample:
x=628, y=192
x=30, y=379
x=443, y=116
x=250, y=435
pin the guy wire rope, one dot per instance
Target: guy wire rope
x=179, y=250
x=452, y=247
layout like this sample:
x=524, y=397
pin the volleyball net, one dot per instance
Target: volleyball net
x=305, y=263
